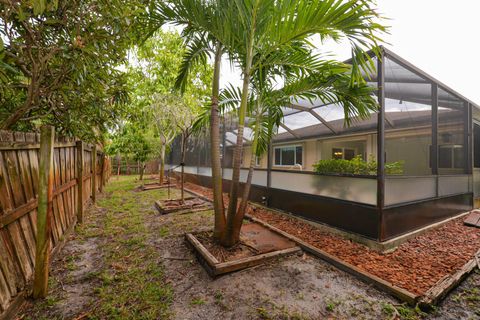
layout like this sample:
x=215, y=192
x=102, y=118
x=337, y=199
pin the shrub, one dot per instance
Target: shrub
x=356, y=166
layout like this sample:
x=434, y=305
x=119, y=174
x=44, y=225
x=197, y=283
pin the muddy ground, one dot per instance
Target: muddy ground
x=129, y=262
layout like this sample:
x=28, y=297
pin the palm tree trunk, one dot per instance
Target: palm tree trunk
x=228, y=238
x=218, y=204
x=237, y=224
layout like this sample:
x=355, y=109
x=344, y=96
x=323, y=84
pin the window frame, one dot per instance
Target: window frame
x=294, y=146
x=355, y=152
x=452, y=148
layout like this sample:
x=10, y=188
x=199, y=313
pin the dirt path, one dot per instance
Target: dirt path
x=128, y=262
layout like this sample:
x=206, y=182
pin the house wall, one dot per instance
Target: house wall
x=412, y=146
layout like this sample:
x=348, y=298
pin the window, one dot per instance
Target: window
x=288, y=155
x=450, y=156
x=343, y=153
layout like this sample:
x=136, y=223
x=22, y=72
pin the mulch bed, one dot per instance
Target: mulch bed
x=254, y=240
x=223, y=254
x=416, y=265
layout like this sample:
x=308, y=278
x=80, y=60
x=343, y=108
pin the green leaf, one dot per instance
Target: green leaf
x=39, y=6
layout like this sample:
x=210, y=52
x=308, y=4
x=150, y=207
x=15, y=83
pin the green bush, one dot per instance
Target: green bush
x=356, y=166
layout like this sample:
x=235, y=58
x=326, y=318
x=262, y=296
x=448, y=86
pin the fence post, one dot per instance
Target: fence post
x=44, y=212
x=94, y=172
x=80, y=181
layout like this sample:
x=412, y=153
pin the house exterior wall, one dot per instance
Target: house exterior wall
x=411, y=146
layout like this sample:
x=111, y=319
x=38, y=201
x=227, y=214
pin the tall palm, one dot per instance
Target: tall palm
x=265, y=27
x=254, y=33
x=206, y=34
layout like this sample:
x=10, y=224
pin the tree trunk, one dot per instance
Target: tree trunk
x=182, y=175
x=142, y=170
x=218, y=204
x=161, y=172
x=228, y=239
x=127, y=167
x=32, y=96
x=14, y=118
x=119, y=164
x=242, y=209
x=237, y=223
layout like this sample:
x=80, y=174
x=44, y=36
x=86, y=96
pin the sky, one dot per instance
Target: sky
x=441, y=37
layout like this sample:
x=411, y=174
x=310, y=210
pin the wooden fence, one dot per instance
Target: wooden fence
x=131, y=167
x=19, y=186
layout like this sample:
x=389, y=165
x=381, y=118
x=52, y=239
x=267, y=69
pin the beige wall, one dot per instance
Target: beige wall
x=247, y=155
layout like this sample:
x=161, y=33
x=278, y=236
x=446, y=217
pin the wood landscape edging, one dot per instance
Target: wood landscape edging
x=431, y=297
x=448, y=282
x=215, y=268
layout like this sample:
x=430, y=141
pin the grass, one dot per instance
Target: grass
x=129, y=282
x=132, y=285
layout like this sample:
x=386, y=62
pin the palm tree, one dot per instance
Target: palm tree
x=254, y=33
x=265, y=27
x=329, y=83
x=206, y=35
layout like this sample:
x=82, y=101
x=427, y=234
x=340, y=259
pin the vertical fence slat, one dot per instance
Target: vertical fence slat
x=80, y=181
x=102, y=172
x=7, y=269
x=25, y=223
x=94, y=172
x=57, y=217
x=11, y=233
x=40, y=285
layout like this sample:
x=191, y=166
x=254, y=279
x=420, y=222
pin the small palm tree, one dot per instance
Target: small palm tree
x=329, y=84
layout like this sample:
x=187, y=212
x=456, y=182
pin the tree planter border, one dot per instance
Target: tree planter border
x=443, y=286
x=155, y=186
x=159, y=205
x=215, y=268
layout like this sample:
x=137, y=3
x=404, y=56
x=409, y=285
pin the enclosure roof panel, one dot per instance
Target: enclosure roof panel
x=397, y=120
x=404, y=82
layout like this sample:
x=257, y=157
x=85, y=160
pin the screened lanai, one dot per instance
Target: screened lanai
x=422, y=127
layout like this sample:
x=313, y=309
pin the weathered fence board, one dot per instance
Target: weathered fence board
x=19, y=187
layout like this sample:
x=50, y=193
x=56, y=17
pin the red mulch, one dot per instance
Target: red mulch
x=416, y=265
x=239, y=251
